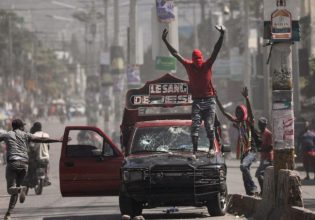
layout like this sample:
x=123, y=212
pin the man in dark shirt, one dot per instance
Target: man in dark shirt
x=203, y=94
x=17, y=159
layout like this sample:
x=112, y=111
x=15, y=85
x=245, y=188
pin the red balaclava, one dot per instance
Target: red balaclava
x=197, y=58
x=243, y=110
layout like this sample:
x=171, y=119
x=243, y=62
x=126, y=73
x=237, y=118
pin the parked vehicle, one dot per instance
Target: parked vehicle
x=154, y=167
x=77, y=109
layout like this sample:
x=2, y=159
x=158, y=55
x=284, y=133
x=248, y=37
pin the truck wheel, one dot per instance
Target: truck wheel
x=129, y=206
x=217, y=205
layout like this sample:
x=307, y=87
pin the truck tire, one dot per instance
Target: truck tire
x=129, y=206
x=217, y=204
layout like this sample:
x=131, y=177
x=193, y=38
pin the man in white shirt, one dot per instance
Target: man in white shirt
x=41, y=149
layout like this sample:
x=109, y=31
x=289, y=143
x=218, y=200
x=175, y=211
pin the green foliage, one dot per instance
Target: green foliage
x=312, y=65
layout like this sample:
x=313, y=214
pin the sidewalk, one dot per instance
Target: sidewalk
x=308, y=186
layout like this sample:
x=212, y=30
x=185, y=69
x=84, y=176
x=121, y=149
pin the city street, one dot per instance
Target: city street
x=51, y=206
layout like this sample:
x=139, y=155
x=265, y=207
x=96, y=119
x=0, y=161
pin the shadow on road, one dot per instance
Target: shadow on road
x=309, y=203
x=86, y=217
x=175, y=216
x=118, y=217
x=308, y=182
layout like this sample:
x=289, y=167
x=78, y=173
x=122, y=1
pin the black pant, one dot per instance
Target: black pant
x=15, y=173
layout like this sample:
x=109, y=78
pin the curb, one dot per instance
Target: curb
x=242, y=204
x=249, y=206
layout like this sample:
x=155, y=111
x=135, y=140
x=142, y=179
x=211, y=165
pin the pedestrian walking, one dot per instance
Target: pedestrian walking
x=306, y=143
x=266, y=150
x=17, y=160
x=200, y=81
x=244, y=122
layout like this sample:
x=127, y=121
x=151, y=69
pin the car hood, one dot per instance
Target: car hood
x=150, y=160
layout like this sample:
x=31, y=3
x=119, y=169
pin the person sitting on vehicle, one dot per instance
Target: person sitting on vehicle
x=244, y=122
x=41, y=150
x=17, y=160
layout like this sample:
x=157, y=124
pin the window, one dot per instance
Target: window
x=167, y=138
x=84, y=143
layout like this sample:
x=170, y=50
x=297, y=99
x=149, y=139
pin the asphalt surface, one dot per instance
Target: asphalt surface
x=51, y=206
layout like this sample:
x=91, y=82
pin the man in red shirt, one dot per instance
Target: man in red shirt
x=203, y=94
x=266, y=150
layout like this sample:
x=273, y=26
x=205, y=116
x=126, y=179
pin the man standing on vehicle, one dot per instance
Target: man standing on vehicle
x=17, y=160
x=203, y=94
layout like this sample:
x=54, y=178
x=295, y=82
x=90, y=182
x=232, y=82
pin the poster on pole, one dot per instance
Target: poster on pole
x=133, y=75
x=165, y=10
x=283, y=127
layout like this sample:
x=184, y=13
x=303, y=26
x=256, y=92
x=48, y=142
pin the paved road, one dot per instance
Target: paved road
x=51, y=206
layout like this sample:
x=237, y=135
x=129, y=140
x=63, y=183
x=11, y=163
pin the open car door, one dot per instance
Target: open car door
x=89, y=163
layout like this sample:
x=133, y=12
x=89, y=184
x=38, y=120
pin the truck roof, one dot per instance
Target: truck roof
x=161, y=123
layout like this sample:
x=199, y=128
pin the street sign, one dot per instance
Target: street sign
x=117, y=59
x=165, y=63
x=133, y=75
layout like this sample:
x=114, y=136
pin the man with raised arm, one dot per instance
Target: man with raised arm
x=247, y=140
x=199, y=73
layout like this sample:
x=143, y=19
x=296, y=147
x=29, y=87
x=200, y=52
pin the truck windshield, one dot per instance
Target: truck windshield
x=167, y=139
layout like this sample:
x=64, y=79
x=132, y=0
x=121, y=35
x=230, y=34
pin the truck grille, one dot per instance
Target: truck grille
x=182, y=179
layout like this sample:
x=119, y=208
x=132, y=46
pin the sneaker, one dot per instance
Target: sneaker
x=22, y=194
x=211, y=153
x=193, y=157
x=7, y=216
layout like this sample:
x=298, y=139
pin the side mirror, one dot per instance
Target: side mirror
x=226, y=148
x=97, y=153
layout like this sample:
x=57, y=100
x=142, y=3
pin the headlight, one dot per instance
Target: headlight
x=131, y=176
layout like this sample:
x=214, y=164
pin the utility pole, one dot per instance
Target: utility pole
x=160, y=53
x=106, y=88
x=116, y=22
x=282, y=19
x=105, y=25
x=196, y=41
x=247, y=72
x=296, y=79
x=134, y=47
x=12, y=75
x=132, y=32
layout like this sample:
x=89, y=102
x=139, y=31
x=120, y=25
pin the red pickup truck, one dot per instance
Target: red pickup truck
x=154, y=167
